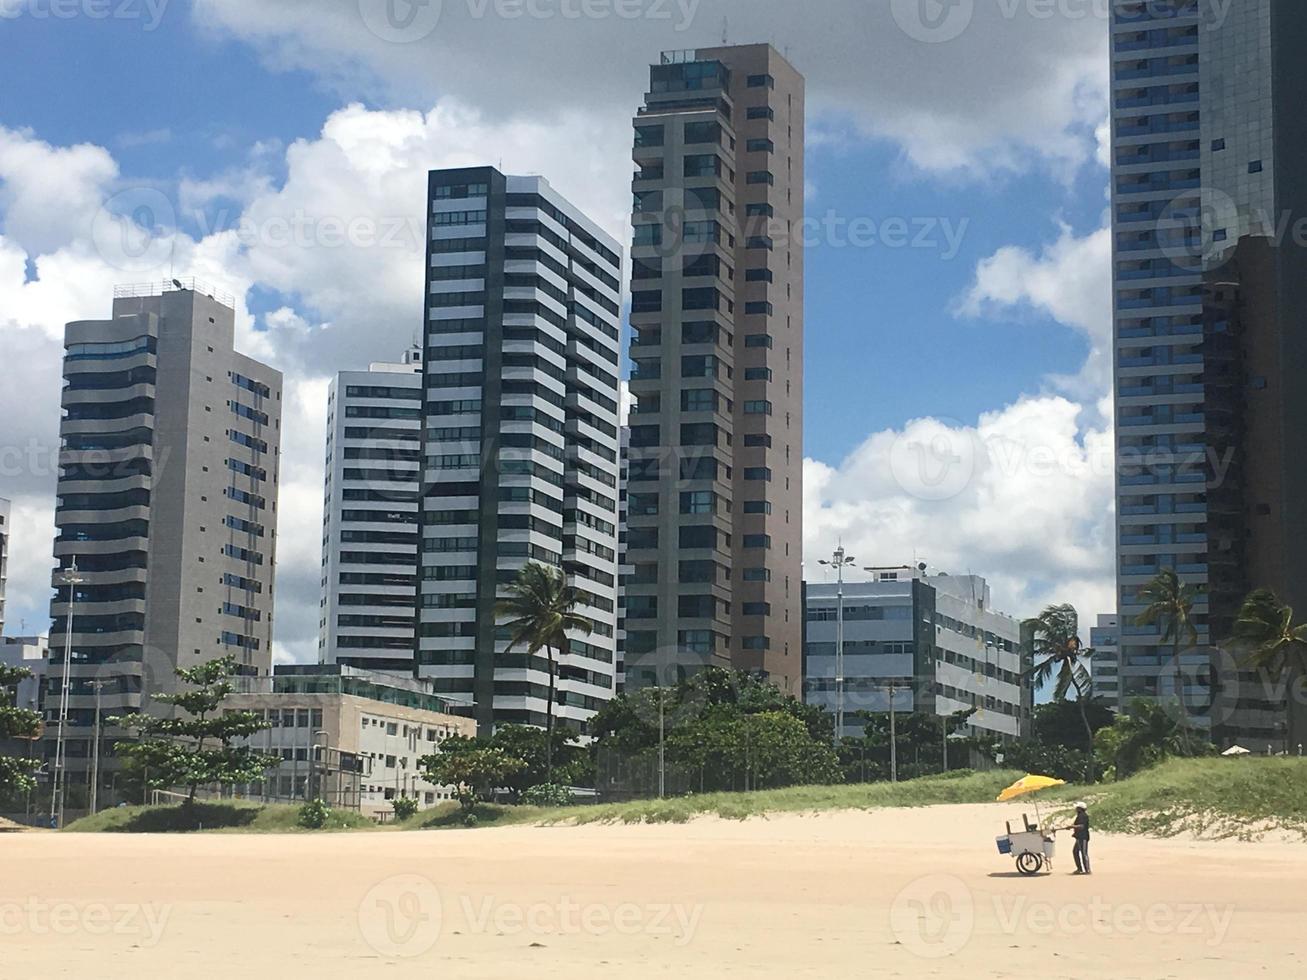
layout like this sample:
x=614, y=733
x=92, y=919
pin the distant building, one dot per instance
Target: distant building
x=350, y=737
x=370, y=521
x=167, y=503
x=32, y=653
x=931, y=642
x=1105, y=665
x=4, y=556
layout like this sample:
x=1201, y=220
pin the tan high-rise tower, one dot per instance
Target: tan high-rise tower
x=715, y=528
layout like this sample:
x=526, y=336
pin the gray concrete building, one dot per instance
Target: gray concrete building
x=519, y=441
x=166, y=502
x=716, y=446
x=370, y=516
x=932, y=643
x=1208, y=184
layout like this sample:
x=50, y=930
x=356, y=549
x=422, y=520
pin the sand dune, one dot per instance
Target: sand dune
x=908, y=893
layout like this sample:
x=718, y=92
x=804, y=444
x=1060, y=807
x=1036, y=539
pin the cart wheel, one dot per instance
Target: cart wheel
x=1029, y=863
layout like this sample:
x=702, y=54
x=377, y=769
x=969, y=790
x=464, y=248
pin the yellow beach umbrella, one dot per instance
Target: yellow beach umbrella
x=1028, y=784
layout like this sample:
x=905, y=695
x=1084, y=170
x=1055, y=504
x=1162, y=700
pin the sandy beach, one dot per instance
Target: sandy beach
x=902, y=893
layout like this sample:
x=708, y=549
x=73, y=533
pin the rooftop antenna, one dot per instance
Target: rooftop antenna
x=726, y=31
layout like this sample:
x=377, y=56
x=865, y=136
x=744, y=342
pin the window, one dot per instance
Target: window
x=756, y=575
x=702, y=165
x=759, y=241
x=757, y=643
x=648, y=235
x=698, y=333
x=1218, y=145
x=642, y=537
x=696, y=641
x=701, y=298
x=641, y=607
x=757, y=608
x=699, y=572
x=761, y=81
x=1255, y=167
x=759, y=340
x=645, y=435
x=698, y=502
x=757, y=540
x=698, y=536
x=759, y=210
x=698, y=366
x=698, y=400
x=702, y=132
x=757, y=473
x=758, y=440
x=696, y=606
x=757, y=374
x=760, y=177
x=648, y=135
x=646, y=300
x=642, y=504
x=759, y=407
x=760, y=146
x=761, y=112
x=758, y=275
x=757, y=507
x=698, y=434
x=761, y=308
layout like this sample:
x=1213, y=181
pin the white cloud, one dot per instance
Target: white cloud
x=1022, y=497
x=1068, y=280
x=1015, y=87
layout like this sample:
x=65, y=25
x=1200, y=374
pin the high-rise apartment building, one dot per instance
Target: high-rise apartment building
x=715, y=493
x=1105, y=662
x=1208, y=183
x=519, y=439
x=370, y=516
x=167, y=502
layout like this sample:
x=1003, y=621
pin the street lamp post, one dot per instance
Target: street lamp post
x=839, y=561
x=893, y=738
x=95, y=752
x=71, y=579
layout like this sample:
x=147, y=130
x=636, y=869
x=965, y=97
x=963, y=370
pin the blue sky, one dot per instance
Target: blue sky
x=987, y=336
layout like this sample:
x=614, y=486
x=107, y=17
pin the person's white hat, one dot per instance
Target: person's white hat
x=1081, y=806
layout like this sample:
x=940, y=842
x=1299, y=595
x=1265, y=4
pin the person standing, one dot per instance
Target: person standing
x=1080, y=831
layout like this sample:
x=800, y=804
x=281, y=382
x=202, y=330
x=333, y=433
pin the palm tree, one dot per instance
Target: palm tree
x=1057, y=650
x=1275, y=643
x=540, y=607
x=1145, y=734
x=1170, y=607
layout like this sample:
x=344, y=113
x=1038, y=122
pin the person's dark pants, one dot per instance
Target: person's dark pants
x=1081, y=853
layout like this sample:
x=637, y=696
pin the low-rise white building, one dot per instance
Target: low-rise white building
x=351, y=737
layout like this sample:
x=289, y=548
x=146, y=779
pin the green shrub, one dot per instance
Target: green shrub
x=548, y=794
x=314, y=814
x=404, y=807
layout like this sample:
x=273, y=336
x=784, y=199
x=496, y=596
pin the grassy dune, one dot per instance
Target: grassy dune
x=1213, y=798
x=1217, y=798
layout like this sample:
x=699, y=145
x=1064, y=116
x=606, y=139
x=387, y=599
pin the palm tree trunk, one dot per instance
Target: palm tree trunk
x=1184, y=707
x=1089, y=734
x=549, y=720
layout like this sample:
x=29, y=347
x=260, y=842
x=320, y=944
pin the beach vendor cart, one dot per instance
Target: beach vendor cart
x=1031, y=845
